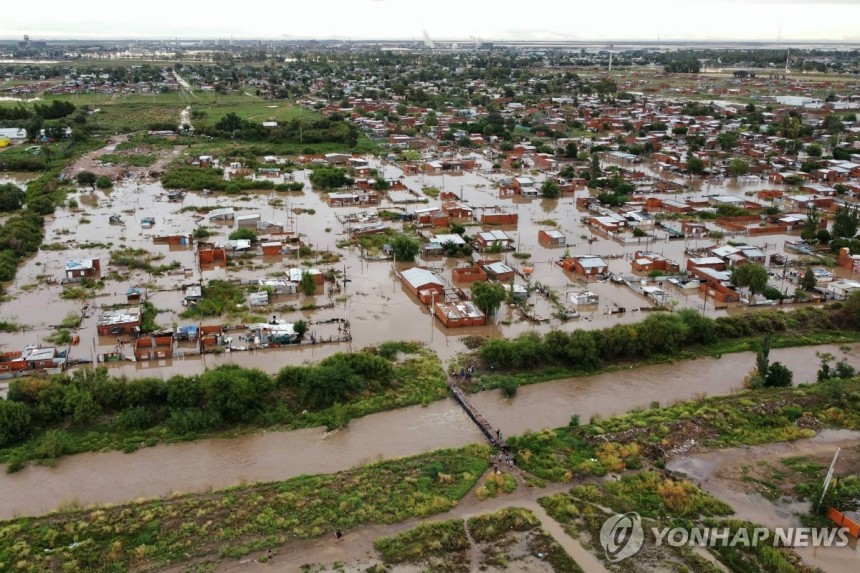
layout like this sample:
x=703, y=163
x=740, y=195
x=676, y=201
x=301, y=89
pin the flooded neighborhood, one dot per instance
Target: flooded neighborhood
x=429, y=305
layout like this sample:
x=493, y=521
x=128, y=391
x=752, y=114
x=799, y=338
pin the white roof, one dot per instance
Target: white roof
x=222, y=212
x=706, y=261
x=498, y=268
x=591, y=261
x=81, y=264
x=453, y=238
x=420, y=277
x=490, y=236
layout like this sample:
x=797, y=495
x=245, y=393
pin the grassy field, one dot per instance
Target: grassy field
x=234, y=522
x=632, y=440
x=137, y=112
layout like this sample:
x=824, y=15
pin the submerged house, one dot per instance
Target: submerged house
x=82, y=269
x=275, y=333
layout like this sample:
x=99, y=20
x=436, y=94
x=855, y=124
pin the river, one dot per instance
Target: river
x=115, y=477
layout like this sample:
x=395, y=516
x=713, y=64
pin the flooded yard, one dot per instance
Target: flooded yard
x=377, y=307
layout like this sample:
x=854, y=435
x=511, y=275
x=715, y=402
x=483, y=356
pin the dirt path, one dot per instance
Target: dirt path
x=356, y=551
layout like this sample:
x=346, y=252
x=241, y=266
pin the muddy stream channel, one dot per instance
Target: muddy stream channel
x=713, y=471
x=116, y=477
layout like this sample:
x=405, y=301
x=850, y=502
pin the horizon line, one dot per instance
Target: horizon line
x=336, y=38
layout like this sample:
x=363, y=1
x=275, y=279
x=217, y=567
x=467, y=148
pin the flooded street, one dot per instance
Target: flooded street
x=114, y=477
x=378, y=307
x=708, y=469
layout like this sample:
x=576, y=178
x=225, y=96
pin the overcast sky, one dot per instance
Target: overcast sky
x=830, y=20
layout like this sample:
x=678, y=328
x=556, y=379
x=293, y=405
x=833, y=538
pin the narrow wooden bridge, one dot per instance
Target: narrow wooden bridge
x=482, y=423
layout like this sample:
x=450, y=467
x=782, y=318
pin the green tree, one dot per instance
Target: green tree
x=833, y=123
x=488, y=297
x=810, y=227
x=11, y=197
x=845, y=222
x=86, y=179
x=570, y=150
x=405, y=248
x=738, y=167
x=233, y=393
x=814, y=150
x=103, y=182
x=752, y=276
x=808, y=281
x=695, y=165
x=727, y=140
x=595, y=172
x=381, y=184
x=778, y=375
x=300, y=327
x=243, y=234
x=550, y=189
x=330, y=178
x=14, y=422
x=307, y=285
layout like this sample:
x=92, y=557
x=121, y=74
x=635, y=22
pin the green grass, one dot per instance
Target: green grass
x=233, y=522
x=631, y=440
x=128, y=159
x=493, y=526
x=663, y=503
x=440, y=538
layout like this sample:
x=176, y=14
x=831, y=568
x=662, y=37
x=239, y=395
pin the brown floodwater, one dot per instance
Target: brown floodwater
x=706, y=468
x=114, y=477
x=376, y=305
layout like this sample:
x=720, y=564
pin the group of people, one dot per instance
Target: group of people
x=464, y=373
x=502, y=458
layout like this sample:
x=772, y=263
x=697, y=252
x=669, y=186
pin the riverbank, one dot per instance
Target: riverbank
x=247, y=518
x=660, y=338
x=92, y=412
x=215, y=463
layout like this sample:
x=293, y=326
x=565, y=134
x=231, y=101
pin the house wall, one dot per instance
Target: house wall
x=417, y=289
x=503, y=277
x=547, y=241
x=846, y=261
x=209, y=256
x=499, y=218
x=591, y=271
x=468, y=274
x=126, y=328
x=718, y=293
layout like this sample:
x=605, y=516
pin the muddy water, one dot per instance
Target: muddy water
x=706, y=468
x=551, y=404
x=115, y=477
x=377, y=306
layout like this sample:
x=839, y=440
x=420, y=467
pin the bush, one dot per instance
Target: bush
x=104, y=182
x=243, y=234
x=14, y=422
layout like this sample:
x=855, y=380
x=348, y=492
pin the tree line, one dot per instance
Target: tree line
x=323, y=130
x=663, y=334
x=219, y=398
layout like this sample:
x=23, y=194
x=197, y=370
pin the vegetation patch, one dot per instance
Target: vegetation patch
x=236, y=521
x=97, y=412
